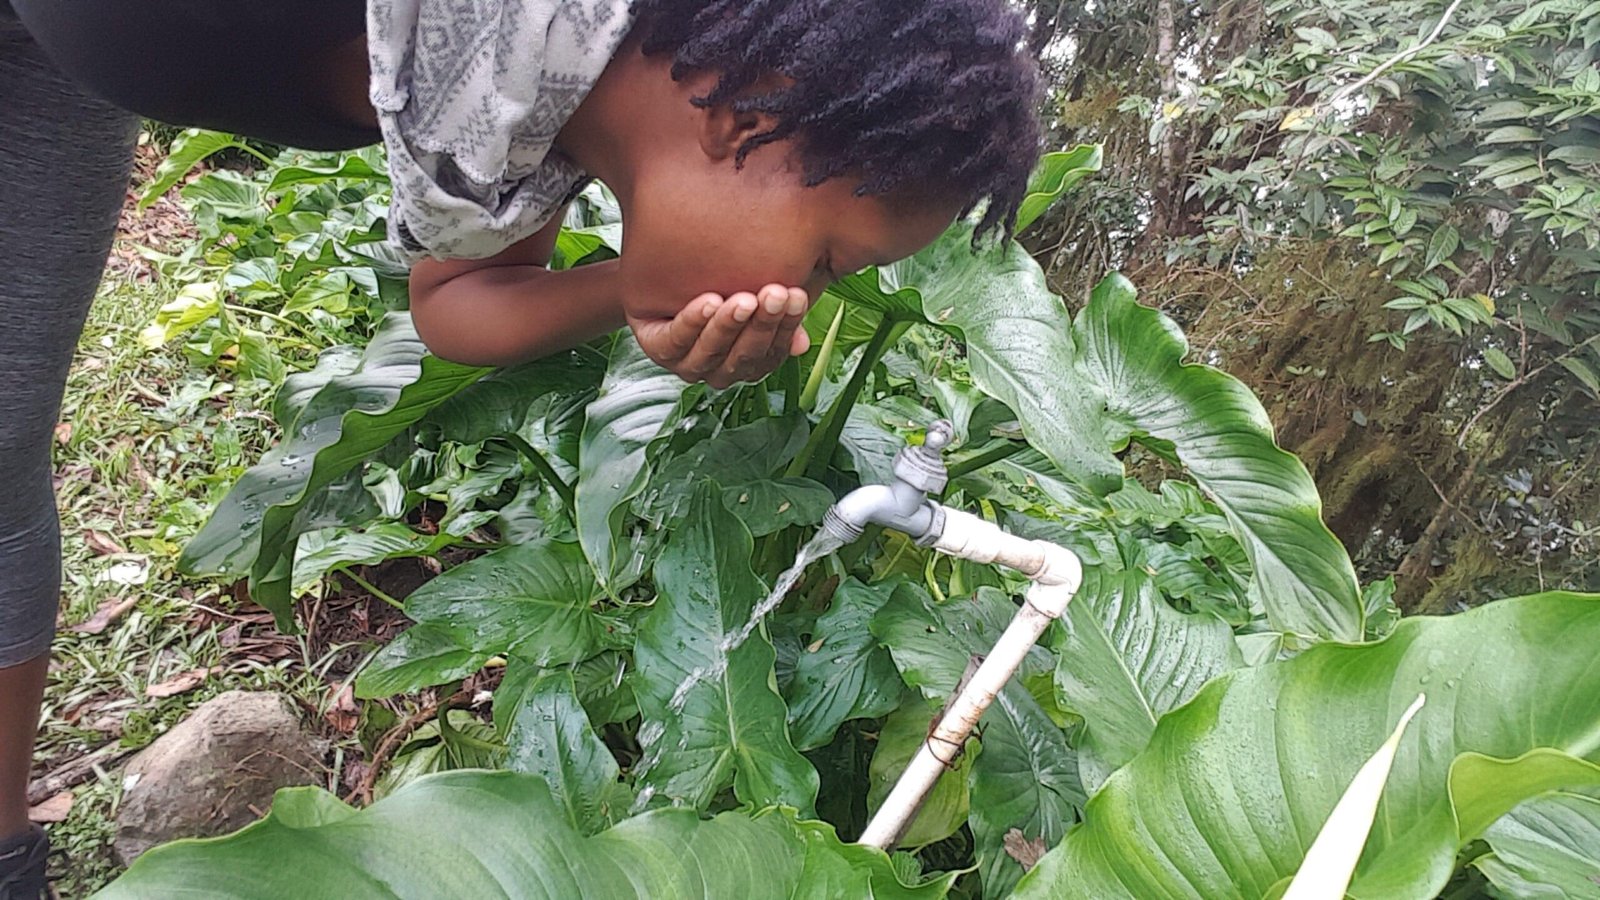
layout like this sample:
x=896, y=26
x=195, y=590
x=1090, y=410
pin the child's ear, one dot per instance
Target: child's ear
x=724, y=130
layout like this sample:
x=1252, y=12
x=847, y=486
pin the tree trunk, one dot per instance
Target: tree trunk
x=1416, y=570
x=1168, y=192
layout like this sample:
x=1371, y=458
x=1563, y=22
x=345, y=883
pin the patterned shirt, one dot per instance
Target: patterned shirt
x=470, y=95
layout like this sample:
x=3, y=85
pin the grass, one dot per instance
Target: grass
x=151, y=444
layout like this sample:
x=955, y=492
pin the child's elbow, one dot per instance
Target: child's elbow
x=448, y=336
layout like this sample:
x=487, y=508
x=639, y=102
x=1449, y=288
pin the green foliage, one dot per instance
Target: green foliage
x=1543, y=848
x=1289, y=736
x=732, y=725
x=475, y=834
x=610, y=531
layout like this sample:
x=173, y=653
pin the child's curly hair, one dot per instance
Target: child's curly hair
x=934, y=97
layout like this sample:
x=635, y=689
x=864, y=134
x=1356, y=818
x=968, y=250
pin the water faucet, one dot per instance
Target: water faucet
x=903, y=504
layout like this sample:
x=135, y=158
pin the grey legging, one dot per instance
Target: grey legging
x=63, y=172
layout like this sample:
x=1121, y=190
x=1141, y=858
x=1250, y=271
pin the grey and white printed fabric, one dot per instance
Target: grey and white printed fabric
x=470, y=95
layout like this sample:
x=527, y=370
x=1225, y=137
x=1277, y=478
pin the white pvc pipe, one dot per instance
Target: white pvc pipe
x=1056, y=574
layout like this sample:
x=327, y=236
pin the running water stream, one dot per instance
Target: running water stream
x=820, y=546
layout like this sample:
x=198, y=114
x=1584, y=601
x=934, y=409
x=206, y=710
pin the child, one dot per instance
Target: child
x=758, y=149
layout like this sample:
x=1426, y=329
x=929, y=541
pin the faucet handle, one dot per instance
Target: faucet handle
x=923, y=467
x=939, y=436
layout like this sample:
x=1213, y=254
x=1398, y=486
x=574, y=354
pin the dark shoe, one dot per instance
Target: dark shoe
x=22, y=864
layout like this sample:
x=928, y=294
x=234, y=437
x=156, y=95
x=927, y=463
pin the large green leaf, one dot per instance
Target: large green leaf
x=743, y=461
x=500, y=834
x=932, y=642
x=422, y=655
x=535, y=601
x=639, y=404
x=1126, y=658
x=1548, y=848
x=188, y=150
x=351, y=417
x=321, y=552
x=1235, y=784
x=731, y=723
x=770, y=505
x=1019, y=343
x=1031, y=784
x=843, y=673
x=1056, y=174
x=549, y=735
x=500, y=403
x=1302, y=575
x=944, y=808
x=1018, y=336
x=1026, y=779
x=455, y=739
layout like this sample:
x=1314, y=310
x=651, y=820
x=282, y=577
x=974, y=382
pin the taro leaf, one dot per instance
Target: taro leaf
x=1234, y=785
x=856, y=328
x=455, y=741
x=604, y=689
x=535, y=601
x=500, y=403
x=1056, y=174
x=321, y=552
x=945, y=808
x=1302, y=575
x=348, y=166
x=1548, y=847
x=255, y=528
x=737, y=457
x=299, y=387
x=1032, y=783
x=1018, y=336
x=600, y=682
x=771, y=505
x=1125, y=658
x=843, y=673
x=1026, y=779
x=931, y=642
x=730, y=724
x=869, y=445
x=501, y=834
x=1019, y=343
x=421, y=656
x=549, y=735
x=639, y=404
x=188, y=150
x=225, y=201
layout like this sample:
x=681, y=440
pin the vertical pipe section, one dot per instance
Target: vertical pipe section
x=1056, y=574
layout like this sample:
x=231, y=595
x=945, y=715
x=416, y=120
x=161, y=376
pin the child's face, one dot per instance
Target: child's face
x=702, y=225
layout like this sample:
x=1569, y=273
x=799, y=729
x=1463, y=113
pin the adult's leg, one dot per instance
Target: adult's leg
x=64, y=161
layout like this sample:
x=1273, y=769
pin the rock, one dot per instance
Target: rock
x=215, y=771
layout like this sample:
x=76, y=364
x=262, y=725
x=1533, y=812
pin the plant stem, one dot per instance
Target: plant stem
x=546, y=471
x=813, y=460
x=819, y=371
x=988, y=457
x=369, y=587
x=241, y=145
x=762, y=400
x=789, y=377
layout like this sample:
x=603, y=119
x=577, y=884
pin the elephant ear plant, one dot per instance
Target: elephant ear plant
x=1186, y=728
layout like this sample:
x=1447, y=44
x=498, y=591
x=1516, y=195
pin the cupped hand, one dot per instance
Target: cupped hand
x=726, y=340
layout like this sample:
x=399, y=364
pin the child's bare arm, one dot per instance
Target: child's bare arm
x=510, y=308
